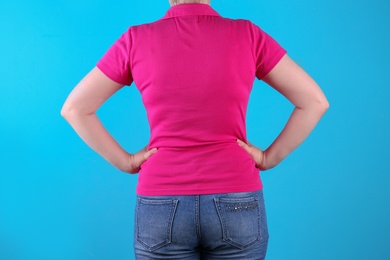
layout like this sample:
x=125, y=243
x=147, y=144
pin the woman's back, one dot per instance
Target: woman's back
x=195, y=71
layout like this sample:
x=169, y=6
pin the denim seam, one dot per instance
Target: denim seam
x=169, y=227
x=224, y=227
x=197, y=217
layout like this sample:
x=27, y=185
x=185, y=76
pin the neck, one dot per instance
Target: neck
x=178, y=2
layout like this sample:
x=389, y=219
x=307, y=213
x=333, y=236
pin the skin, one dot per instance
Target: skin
x=310, y=104
x=287, y=77
x=177, y=2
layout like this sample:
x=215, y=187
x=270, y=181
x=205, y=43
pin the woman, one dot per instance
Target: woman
x=199, y=193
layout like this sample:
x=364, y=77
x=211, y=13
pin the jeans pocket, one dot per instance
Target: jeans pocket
x=240, y=220
x=154, y=219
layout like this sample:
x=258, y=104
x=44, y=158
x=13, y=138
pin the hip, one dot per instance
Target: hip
x=231, y=225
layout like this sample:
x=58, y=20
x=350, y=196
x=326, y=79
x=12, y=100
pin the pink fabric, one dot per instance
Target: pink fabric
x=195, y=71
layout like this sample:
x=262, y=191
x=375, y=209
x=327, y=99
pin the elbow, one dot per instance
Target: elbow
x=66, y=111
x=316, y=106
x=321, y=106
x=73, y=112
x=324, y=105
x=69, y=111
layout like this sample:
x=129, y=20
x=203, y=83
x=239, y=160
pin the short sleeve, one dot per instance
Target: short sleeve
x=115, y=63
x=267, y=52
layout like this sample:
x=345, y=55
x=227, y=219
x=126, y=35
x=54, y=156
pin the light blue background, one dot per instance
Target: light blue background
x=59, y=200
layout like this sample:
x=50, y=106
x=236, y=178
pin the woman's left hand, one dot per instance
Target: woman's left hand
x=80, y=111
x=136, y=160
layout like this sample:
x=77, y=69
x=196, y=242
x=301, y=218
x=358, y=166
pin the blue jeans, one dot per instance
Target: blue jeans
x=219, y=226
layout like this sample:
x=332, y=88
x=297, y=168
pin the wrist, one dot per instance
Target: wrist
x=124, y=164
x=262, y=161
x=272, y=158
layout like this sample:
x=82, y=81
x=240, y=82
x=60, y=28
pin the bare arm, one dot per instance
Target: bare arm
x=80, y=111
x=310, y=104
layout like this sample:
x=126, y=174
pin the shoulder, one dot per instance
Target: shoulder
x=147, y=27
x=244, y=25
x=239, y=21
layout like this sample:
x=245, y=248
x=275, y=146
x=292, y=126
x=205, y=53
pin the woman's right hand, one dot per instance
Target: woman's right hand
x=310, y=104
x=257, y=154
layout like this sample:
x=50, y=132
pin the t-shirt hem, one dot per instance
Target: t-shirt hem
x=273, y=63
x=206, y=191
x=106, y=71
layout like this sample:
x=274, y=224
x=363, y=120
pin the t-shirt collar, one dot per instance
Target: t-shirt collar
x=190, y=9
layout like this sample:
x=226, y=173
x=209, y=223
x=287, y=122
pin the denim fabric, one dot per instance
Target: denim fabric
x=219, y=226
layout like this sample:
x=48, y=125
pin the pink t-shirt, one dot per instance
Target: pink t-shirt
x=195, y=71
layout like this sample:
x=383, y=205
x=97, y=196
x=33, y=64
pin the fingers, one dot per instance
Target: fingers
x=256, y=153
x=144, y=154
x=149, y=153
x=245, y=146
x=137, y=159
x=241, y=143
x=250, y=149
